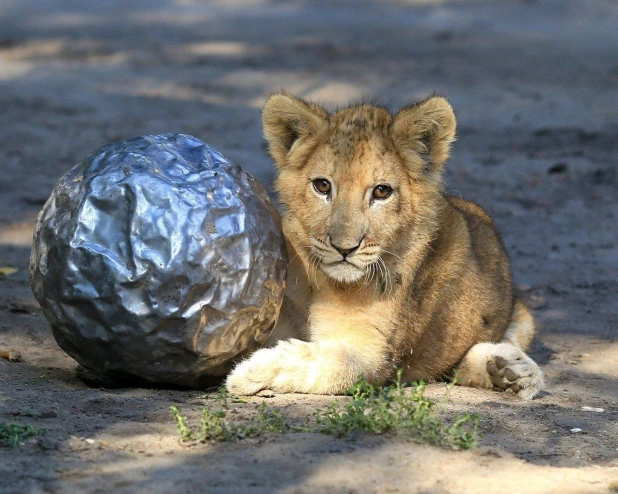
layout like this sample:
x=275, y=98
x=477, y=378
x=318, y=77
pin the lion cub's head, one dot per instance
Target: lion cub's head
x=360, y=185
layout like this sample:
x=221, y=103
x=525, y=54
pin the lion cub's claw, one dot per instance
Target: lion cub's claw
x=512, y=370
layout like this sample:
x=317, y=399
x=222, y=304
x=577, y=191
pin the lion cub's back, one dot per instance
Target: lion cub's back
x=496, y=287
x=486, y=244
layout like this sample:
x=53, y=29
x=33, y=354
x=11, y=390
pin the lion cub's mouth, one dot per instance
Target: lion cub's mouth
x=361, y=266
x=343, y=271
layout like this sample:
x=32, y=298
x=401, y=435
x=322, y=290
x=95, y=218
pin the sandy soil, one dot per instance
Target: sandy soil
x=535, y=86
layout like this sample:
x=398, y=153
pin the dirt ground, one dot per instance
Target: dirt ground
x=535, y=88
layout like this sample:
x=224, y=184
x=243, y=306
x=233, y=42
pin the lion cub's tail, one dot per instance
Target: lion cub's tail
x=521, y=329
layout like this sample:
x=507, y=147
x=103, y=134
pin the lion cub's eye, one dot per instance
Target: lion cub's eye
x=382, y=191
x=322, y=186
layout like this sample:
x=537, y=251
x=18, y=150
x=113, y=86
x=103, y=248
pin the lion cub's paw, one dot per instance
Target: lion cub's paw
x=512, y=370
x=252, y=375
x=269, y=368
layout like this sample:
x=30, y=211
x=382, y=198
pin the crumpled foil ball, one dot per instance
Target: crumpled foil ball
x=158, y=259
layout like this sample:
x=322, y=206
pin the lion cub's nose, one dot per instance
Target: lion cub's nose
x=345, y=251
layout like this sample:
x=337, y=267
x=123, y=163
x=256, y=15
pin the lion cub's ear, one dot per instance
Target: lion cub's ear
x=286, y=121
x=427, y=129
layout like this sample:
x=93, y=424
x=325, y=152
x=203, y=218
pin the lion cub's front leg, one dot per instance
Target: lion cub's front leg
x=295, y=366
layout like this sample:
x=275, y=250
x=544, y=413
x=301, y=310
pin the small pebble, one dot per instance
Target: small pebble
x=593, y=409
x=576, y=429
x=557, y=168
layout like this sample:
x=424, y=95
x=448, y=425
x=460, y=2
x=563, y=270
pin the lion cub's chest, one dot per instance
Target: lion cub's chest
x=357, y=322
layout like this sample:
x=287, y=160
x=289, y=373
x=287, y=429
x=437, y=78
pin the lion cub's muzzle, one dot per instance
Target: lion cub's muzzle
x=345, y=263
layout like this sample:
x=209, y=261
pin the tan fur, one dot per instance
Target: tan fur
x=425, y=285
x=521, y=330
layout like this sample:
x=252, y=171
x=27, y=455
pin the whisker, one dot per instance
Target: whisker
x=315, y=274
x=370, y=275
x=364, y=284
x=310, y=270
x=313, y=264
x=377, y=265
x=392, y=254
x=389, y=278
x=381, y=270
x=374, y=277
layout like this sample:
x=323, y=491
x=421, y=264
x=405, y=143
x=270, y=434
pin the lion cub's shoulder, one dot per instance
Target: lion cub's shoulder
x=470, y=208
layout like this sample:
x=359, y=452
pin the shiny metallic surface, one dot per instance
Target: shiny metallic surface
x=156, y=258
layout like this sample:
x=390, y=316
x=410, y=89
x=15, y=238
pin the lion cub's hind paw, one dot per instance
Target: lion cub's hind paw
x=512, y=370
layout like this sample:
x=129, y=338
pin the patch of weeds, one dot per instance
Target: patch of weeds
x=394, y=409
x=12, y=434
x=181, y=424
x=400, y=411
x=213, y=425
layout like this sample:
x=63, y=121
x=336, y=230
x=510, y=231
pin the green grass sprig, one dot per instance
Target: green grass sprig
x=395, y=409
x=12, y=434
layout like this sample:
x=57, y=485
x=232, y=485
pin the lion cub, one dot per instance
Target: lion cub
x=386, y=271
